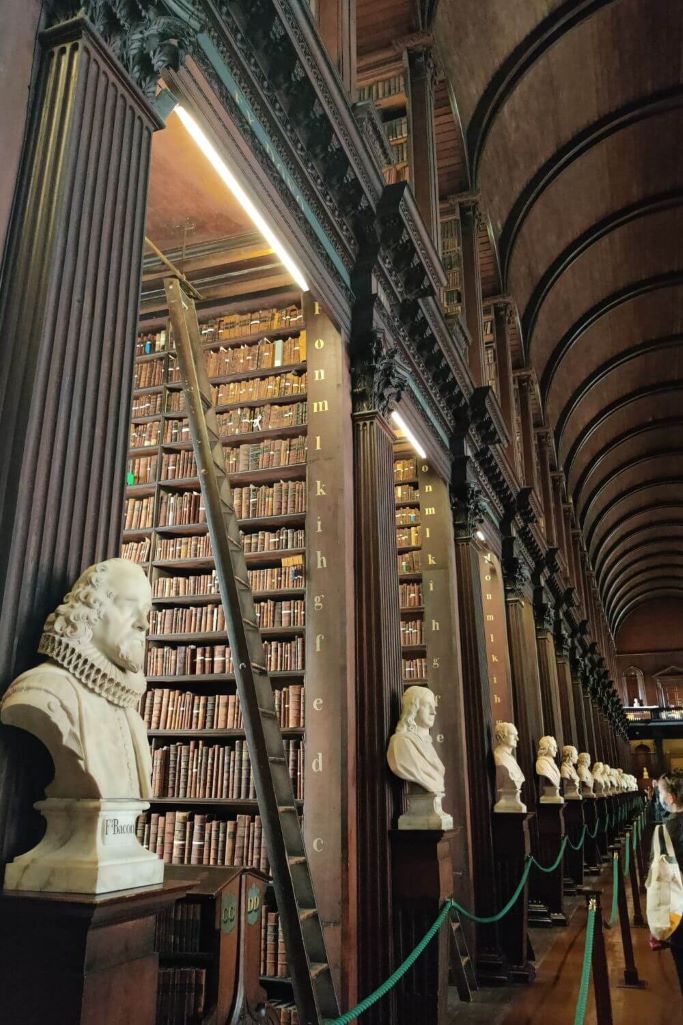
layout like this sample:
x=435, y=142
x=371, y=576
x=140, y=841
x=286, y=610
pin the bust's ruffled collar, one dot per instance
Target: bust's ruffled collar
x=94, y=670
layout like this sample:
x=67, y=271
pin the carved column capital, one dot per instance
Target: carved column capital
x=467, y=505
x=377, y=379
x=144, y=37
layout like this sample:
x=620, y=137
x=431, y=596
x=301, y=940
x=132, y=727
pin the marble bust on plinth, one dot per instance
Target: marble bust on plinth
x=547, y=769
x=411, y=757
x=509, y=776
x=585, y=774
x=82, y=704
x=569, y=775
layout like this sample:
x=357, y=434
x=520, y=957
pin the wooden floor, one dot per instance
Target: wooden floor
x=551, y=999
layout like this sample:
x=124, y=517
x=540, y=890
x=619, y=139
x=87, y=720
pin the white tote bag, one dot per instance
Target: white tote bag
x=664, y=887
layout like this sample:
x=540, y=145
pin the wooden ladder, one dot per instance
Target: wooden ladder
x=310, y=972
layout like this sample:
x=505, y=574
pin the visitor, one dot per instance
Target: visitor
x=671, y=795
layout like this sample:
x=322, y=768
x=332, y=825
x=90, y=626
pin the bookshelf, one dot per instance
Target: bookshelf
x=490, y=357
x=388, y=88
x=409, y=545
x=204, y=813
x=451, y=257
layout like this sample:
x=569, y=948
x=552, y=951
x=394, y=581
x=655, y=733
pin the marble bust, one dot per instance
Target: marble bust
x=599, y=782
x=411, y=757
x=546, y=768
x=82, y=704
x=568, y=773
x=585, y=774
x=509, y=776
x=607, y=777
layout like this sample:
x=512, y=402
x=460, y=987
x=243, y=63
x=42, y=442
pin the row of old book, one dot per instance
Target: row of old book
x=210, y=618
x=256, y=389
x=193, y=838
x=201, y=771
x=278, y=499
x=275, y=578
x=396, y=129
x=242, y=420
x=410, y=595
x=285, y=1012
x=136, y=551
x=139, y=513
x=408, y=536
x=400, y=151
x=181, y=996
x=407, y=516
x=410, y=562
x=147, y=405
x=406, y=493
x=178, y=928
x=149, y=342
x=169, y=709
x=234, y=325
x=198, y=546
x=405, y=469
x=145, y=435
x=264, y=455
x=412, y=631
x=382, y=88
x=414, y=669
x=266, y=354
x=149, y=374
x=216, y=659
x=142, y=470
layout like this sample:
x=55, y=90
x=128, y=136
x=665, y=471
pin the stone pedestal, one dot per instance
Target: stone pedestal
x=424, y=811
x=77, y=959
x=591, y=849
x=573, y=860
x=548, y=886
x=512, y=846
x=422, y=878
x=88, y=847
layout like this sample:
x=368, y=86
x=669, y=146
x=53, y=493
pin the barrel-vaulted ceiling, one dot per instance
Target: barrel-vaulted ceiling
x=572, y=115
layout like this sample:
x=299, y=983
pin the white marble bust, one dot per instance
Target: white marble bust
x=82, y=704
x=600, y=785
x=568, y=773
x=509, y=776
x=607, y=777
x=411, y=757
x=585, y=774
x=547, y=770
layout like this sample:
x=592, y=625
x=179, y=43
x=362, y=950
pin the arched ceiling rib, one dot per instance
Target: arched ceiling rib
x=573, y=117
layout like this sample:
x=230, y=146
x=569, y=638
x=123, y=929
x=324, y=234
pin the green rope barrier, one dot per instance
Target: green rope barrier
x=615, y=891
x=627, y=856
x=582, y=999
x=551, y=868
x=594, y=834
x=490, y=919
x=364, y=1005
x=581, y=842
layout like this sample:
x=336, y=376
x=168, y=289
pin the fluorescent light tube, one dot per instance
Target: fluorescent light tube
x=400, y=422
x=226, y=175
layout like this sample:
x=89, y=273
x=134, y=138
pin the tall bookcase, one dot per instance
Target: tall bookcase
x=387, y=87
x=203, y=809
x=409, y=545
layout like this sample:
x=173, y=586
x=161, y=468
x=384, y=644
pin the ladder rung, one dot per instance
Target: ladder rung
x=285, y=807
x=465, y=960
x=277, y=758
x=251, y=622
x=240, y=580
x=297, y=859
x=317, y=969
x=305, y=913
x=270, y=712
x=258, y=668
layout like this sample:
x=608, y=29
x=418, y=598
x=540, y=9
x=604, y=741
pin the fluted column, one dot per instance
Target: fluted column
x=424, y=177
x=470, y=217
x=564, y=684
x=547, y=667
x=378, y=675
x=466, y=502
x=67, y=321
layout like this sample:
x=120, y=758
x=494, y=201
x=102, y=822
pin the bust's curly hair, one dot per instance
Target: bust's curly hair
x=544, y=745
x=410, y=705
x=500, y=731
x=567, y=751
x=83, y=606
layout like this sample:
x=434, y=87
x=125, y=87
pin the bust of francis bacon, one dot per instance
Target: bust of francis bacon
x=82, y=702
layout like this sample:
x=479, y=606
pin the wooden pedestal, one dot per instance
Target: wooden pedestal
x=76, y=959
x=591, y=849
x=602, y=837
x=573, y=860
x=422, y=874
x=512, y=847
x=548, y=886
